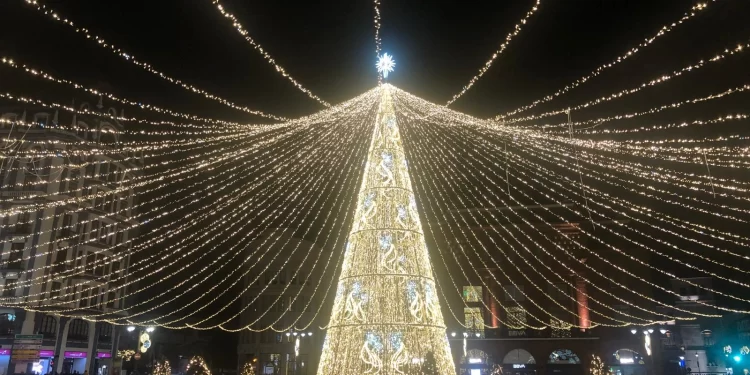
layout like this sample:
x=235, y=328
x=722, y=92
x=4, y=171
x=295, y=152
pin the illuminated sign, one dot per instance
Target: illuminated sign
x=519, y=365
x=625, y=361
x=475, y=360
x=75, y=354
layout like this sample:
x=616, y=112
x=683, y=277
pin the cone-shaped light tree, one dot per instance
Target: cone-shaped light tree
x=386, y=315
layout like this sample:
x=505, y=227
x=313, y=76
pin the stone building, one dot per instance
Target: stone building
x=73, y=248
x=290, y=352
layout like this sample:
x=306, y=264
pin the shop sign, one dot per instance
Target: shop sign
x=46, y=353
x=4, y=351
x=75, y=354
x=516, y=333
x=519, y=365
x=103, y=355
x=26, y=348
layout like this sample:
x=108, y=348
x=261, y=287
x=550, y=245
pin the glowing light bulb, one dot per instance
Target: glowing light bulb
x=385, y=64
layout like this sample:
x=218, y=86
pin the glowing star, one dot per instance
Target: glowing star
x=385, y=64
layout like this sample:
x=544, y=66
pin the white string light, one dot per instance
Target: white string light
x=664, y=30
x=508, y=38
x=238, y=26
x=55, y=16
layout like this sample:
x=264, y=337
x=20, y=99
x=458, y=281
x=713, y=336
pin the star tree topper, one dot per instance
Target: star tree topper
x=385, y=64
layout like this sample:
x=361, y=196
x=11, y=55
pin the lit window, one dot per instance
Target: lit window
x=472, y=293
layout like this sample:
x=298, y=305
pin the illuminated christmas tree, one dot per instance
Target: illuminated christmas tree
x=163, y=368
x=386, y=316
x=197, y=366
x=248, y=369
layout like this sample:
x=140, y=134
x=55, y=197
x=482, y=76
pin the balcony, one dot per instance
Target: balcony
x=20, y=194
x=12, y=268
x=88, y=275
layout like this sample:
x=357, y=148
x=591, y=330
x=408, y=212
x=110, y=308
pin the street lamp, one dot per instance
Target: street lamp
x=633, y=331
x=663, y=331
x=150, y=329
x=131, y=328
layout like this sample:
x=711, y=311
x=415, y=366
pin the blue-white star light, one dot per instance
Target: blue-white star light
x=385, y=64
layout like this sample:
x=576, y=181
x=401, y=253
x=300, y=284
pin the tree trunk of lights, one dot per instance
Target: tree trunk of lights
x=386, y=316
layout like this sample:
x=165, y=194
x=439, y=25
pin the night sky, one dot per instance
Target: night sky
x=329, y=48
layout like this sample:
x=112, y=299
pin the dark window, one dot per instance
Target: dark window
x=64, y=180
x=514, y=293
x=105, y=332
x=84, y=301
x=7, y=324
x=78, y=330
x=60, y=258
x=103, y=171
x=48, y=327
x=56, y=286
x=111, y=299
x=94, y=229
x=99, y=265
x=67, y=224
x=15, y=259
x=94, y=297
x=90, y=258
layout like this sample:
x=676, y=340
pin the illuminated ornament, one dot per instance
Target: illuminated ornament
x=384, y=335
x=385, y=64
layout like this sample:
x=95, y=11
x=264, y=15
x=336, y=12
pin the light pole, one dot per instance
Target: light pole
x=296, y=337
x=143, y=343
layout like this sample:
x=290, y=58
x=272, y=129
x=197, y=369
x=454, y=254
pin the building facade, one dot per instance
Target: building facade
x=282, y=298
x=69, y=256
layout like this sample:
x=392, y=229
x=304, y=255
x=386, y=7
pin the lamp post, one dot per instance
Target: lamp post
x=296, y=337
x=143, y=343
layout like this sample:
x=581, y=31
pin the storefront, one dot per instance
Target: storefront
x=4, y=360
x=74, y=361
x=519, y=362
x=564, y=362
x=42, y=366
x=627, y=362
x=476, y=362
x=45, y=362
x=103, y=363
x=519, y=369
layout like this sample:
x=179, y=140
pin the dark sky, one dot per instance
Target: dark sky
x=328, y=46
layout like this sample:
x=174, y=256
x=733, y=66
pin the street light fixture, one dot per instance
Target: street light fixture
x=633, y=331
x=150, y=329
x=650, y=330
x=663, y=331
x=131, y=328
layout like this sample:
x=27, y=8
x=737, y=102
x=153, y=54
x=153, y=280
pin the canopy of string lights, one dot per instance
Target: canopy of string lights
x=369, y=217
